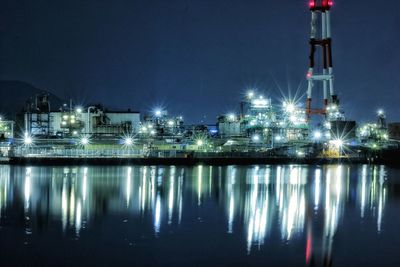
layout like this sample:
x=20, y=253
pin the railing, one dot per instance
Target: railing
x=75, y=152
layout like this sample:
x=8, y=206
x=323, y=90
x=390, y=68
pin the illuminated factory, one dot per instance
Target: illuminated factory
x=262, y=128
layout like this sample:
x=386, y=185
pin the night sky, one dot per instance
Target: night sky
x=197, y=57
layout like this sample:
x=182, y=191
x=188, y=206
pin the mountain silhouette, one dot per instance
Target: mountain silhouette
x=15, y=94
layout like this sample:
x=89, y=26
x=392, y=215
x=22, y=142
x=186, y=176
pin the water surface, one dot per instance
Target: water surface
x=288, y=215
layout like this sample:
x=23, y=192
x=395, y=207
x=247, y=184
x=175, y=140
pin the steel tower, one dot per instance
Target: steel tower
x=321, y=40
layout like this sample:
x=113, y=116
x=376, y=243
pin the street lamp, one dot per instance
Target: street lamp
x=317, y=135
x=84, y=141
x=158, y=113
x=231, y=117
x=128, y=141
x=255, y=138
x=28, y=140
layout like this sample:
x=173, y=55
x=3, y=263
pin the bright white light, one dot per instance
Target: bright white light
x=289, y=107
x=28, y=140
x=317, y=135
x=84, y=141
x=200, y=142
x=231, y=117
x=152, y=132
x=255, y=138
x=278, y=138
x=79, y=110
x=328, y=135
x=260, y=103
x=293, y=119
x=158, y=113
x=170, y=123
x=337, y=143
x=250, y=94
x=75, y=132
x=128, y=141
x=381, y=112
x=327, y=125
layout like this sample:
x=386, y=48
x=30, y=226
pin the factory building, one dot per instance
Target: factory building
x=394, y=130
x=229, y=126
x=263, y=123
x=39, y=120
x=6, y=129
x=159, y=125
x=106, y=123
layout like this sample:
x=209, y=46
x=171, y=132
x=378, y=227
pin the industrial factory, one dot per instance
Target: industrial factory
x=263, y=129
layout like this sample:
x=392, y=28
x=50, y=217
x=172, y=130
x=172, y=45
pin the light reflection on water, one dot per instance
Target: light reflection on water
x=257, y=202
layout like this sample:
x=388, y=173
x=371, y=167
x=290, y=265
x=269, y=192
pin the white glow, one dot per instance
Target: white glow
x=79, y=110
x=255, y=138
x=128, y=141
x=381, y=112
x=28, y=140
x=327, y=125
x=231, y=117
x=158, y=113
x=231, y=214
x=157, y=216
x=84, y=141
x=317, y=189
x=200, y=142
x=317, y=135
x=289, y=107
x=337, y=142
x=260, y=103
x=27, y=187
x=250, y=94
x=328, y=135
x=78, y=218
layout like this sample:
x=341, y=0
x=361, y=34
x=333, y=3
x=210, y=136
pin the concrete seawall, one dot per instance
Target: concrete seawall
x=388, y=157
x=178, y=161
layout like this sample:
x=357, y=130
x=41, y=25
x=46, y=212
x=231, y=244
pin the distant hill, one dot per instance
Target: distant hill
x=14, y=95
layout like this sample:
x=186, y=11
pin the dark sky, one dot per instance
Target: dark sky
x=197, y=57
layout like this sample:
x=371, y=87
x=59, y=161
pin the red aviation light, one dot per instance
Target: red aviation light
x=311, y=4
x=327, y=3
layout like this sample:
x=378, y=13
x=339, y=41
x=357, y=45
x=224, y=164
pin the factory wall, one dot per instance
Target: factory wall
x=122, y=117
x=227, y=129
x=394, y=130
